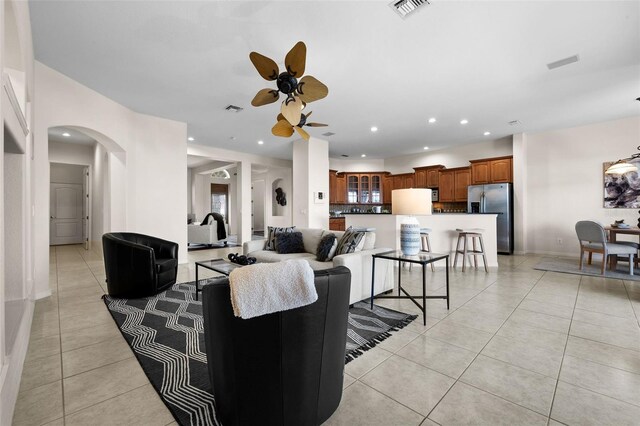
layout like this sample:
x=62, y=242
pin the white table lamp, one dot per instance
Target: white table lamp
x=410, y=202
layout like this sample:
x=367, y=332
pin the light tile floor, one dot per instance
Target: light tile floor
x=518, y=346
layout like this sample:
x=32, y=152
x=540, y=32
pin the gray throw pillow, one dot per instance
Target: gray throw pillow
x=272, y=232
x=349, y=241
x=289, y=242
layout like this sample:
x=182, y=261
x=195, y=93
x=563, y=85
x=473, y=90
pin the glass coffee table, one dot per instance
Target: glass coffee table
x=221, y=266
x=422, y=258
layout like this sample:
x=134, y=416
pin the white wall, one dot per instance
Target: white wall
x=457, y=156
x=98, y=194
x=16, y=170
x=356, y=165
x=146, y=167
x=258, y=204
x=310, y=176
x=189, y=193
x=69, y=153
x=565, y=181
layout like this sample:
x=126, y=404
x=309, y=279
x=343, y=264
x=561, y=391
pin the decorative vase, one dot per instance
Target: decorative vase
x=410, y=242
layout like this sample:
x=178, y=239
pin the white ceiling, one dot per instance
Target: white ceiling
x=484, y=61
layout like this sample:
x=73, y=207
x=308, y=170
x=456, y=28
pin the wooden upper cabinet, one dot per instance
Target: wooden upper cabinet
x=341, y=189
x=408, y=181
x=421, y=178
x=387, y=187
x=446, y=185
x=333, y=186
x=398, y=182
x=462, y=179
x=480, y=172
x=492, y=170
x=502, y=170
x=427, y=177
x=433, y=177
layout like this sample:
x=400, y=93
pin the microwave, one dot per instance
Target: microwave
x=434, y=195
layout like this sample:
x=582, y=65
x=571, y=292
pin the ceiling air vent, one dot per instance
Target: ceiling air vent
x=407, y=7
x=328, y=134
x=515, y=123
x=233, y=108
x=345, y=156
x=563, y=62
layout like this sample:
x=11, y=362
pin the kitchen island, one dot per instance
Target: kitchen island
x=443, y=235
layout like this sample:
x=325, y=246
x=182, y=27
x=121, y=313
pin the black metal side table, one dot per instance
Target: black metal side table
x=423, y=258
x=217, y=265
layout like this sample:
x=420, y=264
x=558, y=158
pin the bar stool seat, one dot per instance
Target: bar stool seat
x=475, y=234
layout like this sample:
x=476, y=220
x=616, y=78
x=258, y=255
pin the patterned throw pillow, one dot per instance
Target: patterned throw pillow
x=349, y=241
x=326, y=248
x=271, y=236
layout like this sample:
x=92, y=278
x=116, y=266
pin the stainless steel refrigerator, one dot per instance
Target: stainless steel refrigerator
x=495, y=198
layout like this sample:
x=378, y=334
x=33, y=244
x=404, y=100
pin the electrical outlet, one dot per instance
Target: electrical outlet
x=559, y=241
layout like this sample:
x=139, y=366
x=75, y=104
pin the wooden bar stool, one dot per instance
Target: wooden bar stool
x=463, y=238
x=426, y=244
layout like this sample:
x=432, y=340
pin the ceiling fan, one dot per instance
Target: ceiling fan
x=298, y=92
x=284, y=128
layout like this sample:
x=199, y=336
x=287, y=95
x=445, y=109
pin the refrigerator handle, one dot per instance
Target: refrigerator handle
x=482, y=205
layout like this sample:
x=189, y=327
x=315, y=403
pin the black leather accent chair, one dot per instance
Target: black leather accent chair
x=284, y=368
x=138, y=265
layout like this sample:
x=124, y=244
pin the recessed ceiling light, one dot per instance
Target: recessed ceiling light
x=374, y=129
x=233, y=138
x=426, y=147
x=363, y=155
x=190, y=139
x=432, y=120
x=465, y=121
x=487, y=133
x=66, y=135
x=260, y=142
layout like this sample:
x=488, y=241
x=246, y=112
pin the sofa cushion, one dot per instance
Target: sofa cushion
x=311, y=238
x=289, y=242
x=271, y=236
x=350, y=241
x=326, y=247
x=369, y=240
x=270, y=256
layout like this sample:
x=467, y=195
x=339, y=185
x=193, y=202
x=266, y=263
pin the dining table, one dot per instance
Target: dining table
x=614, y=231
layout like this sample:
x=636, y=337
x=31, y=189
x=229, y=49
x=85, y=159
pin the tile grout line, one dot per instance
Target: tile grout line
x=476, y=357
x=566, y=343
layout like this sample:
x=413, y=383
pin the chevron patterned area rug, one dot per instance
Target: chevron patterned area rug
x=165, y=333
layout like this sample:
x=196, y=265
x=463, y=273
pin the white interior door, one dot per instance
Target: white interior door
x=66, y=224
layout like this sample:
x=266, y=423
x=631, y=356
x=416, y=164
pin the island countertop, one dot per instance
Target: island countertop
x=443, y=235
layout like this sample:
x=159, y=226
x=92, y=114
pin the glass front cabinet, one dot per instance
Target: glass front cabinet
x=364, y=188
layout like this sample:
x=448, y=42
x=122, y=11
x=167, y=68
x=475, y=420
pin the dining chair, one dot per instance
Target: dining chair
x=593, y=239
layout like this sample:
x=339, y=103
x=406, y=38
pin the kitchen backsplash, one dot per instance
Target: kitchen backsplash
x=358, y=208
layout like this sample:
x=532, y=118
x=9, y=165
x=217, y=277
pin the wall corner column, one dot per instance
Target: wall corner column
x=310, y=177
x=520, y=192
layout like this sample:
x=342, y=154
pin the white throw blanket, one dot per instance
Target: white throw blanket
x=264, y=288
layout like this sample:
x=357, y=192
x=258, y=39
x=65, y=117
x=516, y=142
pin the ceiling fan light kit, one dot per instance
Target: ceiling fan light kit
x=299, y=90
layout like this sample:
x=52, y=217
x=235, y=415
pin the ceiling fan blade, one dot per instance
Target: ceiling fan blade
x=310, y=89
x=282, y=128
x=280, y=117
x=316, y=125
x=295, y=59
x=306, y=117
x=265, y=96
x=304, y=134
x=291, y=110
x=267, y=67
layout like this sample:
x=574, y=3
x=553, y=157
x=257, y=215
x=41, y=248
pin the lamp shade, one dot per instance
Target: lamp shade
x=414, y=201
